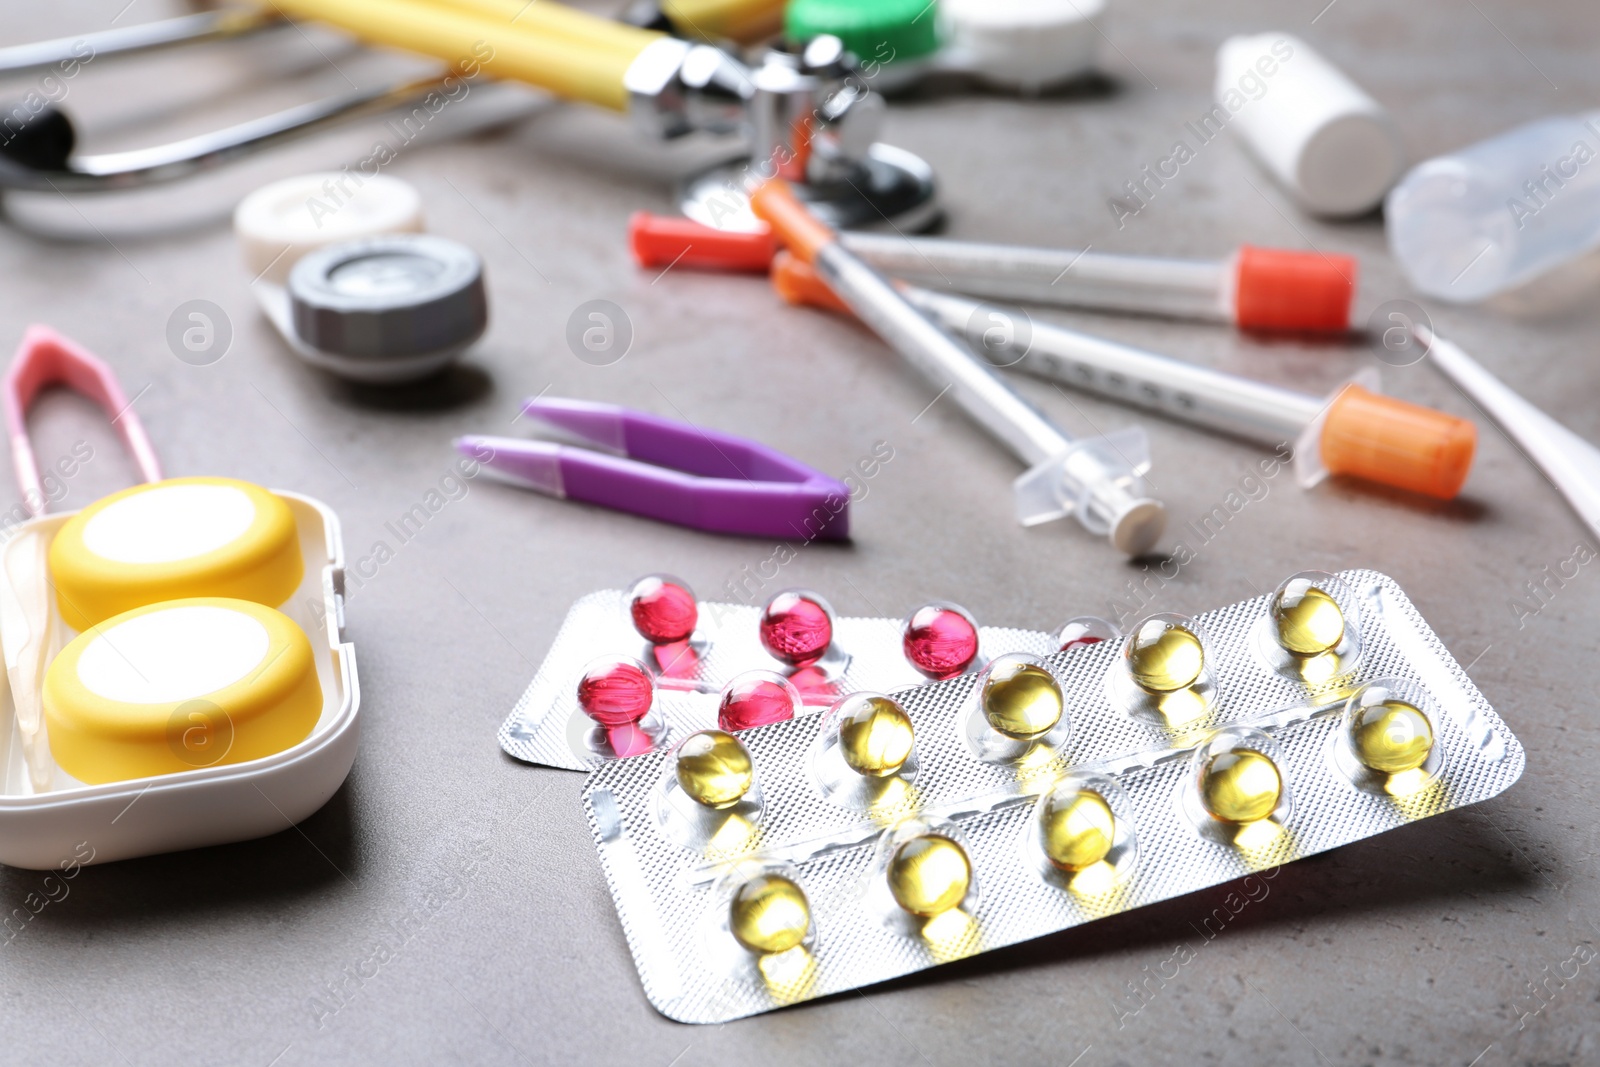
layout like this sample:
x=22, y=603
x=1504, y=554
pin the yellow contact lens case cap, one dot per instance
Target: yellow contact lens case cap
x=168, y=540
x=178, y=686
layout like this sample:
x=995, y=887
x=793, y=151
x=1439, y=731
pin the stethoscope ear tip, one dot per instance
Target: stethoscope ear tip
x=43, y=142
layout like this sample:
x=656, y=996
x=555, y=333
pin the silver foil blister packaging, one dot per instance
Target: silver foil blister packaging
x=547, y=726
x=693, y=884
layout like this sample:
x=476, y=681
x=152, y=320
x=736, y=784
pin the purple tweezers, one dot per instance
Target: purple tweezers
x=668, y=470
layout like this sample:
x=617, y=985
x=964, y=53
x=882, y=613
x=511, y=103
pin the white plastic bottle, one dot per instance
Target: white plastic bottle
x=1331, y=146
x=1499, y=213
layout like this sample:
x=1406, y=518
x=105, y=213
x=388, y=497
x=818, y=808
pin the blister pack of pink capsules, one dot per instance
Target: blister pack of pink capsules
x=906, y=828
x=634, y=671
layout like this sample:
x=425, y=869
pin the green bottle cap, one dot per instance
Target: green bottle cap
x=881, y=31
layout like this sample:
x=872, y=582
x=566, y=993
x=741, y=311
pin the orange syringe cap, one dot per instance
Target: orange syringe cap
x=799, y=283
x=1376, y=437
x=659, y=241
x=792, y=222
x=1276, y=289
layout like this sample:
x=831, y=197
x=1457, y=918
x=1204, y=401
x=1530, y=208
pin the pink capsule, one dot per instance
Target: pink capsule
x=756, y=698
x=615, y=691
x=663, y=609
x=797, y=627
x=1085, y=630
x=940, y=640
x=629, y=740
x=679, y=662
x=817, y=690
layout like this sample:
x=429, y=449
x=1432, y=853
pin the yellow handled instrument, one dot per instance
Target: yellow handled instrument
x=574, y=55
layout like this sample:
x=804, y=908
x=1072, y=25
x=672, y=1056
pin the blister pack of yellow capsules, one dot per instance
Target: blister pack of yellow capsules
x=898, y=831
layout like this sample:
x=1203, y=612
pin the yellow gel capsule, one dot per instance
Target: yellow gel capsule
x=1309, y=621
x=769, y=913
x=1164, y=657
x=1021, y=700
x=714, y=769
x=1240, y=786
x=1392, y=737
x=875, y=736
x=929, y=875
x=1076, y=828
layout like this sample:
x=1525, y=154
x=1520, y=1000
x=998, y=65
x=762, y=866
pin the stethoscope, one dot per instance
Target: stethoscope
x=809, y=114
x=372, y=300
x=817, y=128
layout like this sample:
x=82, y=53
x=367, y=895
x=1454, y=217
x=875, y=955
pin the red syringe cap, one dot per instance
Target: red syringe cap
x=1297, y=291
x=659, y=241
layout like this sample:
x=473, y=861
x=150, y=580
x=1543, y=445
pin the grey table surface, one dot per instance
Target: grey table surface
x=447, y=904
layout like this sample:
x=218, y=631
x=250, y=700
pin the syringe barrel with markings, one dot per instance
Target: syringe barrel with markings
x=1213, y=399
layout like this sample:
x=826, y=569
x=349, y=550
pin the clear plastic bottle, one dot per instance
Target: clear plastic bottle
x=1496, y=214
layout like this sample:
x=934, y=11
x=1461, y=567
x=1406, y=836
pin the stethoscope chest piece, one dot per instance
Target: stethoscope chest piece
x=892, y=190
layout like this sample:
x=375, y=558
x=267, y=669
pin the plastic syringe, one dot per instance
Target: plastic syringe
x=1099, y=481
x=1355, y=431
x=1255, y=288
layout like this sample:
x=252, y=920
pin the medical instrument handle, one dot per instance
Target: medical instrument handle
x=46, y=358
x=745, y=21
x=553, y=19
x=144, y=37
x=1103, y=492
x=585, y=69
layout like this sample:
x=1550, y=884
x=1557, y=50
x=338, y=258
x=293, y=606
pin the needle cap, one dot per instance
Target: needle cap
x=799, y=283
x=775, y=203
x=1376, y=437
x=662, y=242
x=1275, y=289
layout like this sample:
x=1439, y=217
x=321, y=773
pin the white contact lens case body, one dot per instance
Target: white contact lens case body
x=208, y=805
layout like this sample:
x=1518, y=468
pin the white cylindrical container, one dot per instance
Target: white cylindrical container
x=1327, y=142
x=1499, y=213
